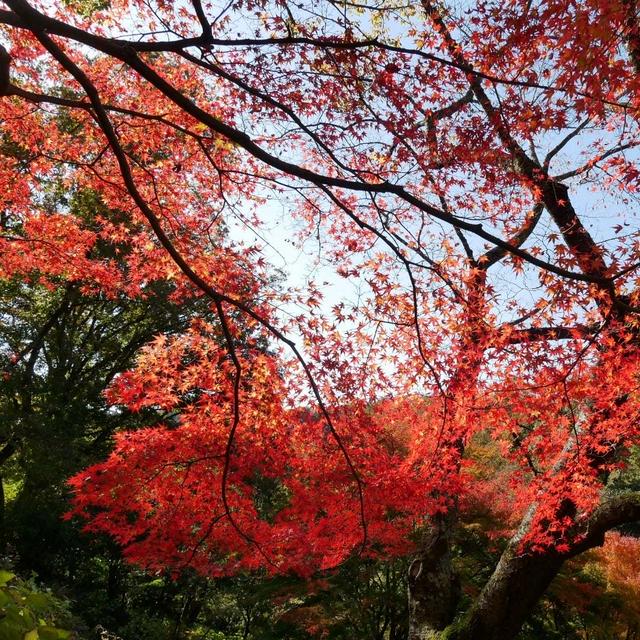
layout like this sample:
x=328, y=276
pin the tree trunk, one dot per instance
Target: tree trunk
x=507, y=599
x=517, y=583
x=434, y=589
x=500, y=610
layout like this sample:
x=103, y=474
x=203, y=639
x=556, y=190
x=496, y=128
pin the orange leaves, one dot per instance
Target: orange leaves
x=621, y=558
x=161, y=486
x=49, y=247
x=440, y=359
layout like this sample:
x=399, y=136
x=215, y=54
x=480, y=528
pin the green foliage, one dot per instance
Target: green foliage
x=87, y=8
x=271, y=496
x=59, y=349
x=29, y=613
x=53, y=417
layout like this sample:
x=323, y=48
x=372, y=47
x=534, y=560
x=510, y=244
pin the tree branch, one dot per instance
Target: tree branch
x=35, y=21
x=611, y=513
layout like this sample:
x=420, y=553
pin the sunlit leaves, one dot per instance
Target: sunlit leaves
x=442, y=162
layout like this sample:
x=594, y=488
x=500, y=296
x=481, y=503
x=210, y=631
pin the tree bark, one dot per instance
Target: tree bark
x=434, y=588
x=508, y=598
x=517, y=583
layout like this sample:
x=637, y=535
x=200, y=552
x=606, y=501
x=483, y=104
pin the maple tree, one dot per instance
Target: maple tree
x=448, y=165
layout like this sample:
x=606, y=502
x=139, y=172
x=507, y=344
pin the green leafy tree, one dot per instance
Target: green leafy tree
x=28, y=612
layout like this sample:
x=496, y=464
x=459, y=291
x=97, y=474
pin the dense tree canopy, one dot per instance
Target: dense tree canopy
x=469, y=175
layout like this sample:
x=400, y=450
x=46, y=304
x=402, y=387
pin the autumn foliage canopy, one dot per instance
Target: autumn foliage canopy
x=468, y=180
